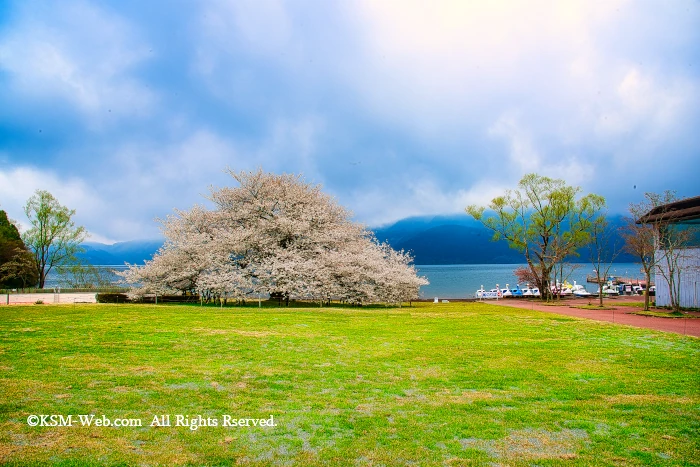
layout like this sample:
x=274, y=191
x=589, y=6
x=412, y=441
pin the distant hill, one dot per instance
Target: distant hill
x=133, y=252
x=447, y=240
x=456, y=239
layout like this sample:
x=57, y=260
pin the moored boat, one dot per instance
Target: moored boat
x=506, y=292
x=580, y=290
x=483, y=294
x=561, y=290
x=531, y=291
x=609, y=289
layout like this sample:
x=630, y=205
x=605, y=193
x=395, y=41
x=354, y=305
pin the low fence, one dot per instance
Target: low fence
x=47, y=298
x=64, y=290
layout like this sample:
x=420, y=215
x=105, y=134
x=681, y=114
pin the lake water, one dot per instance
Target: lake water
x=53, y=280
x=462, y=280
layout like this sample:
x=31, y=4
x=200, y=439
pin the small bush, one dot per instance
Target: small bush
x=170, y=299
x=39, y=302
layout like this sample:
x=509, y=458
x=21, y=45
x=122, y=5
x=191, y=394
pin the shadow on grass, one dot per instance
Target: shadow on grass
x=282, y=305
x=593, y=307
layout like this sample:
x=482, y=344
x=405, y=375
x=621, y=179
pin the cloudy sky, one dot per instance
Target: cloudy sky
x=127, y=109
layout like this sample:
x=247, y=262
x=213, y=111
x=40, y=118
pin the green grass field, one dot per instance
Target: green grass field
x=447, y=384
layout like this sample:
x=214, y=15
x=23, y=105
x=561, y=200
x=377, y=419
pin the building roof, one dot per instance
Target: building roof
x=687, y=209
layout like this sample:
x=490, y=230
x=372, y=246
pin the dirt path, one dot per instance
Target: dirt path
x=619, y=314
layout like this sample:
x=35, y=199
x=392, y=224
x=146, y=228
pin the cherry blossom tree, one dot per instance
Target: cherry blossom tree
x=277, y=235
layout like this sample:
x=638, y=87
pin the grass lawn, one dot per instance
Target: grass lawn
x=639, y=304
x=593, y=307
x=433, y=384
x=666, y=314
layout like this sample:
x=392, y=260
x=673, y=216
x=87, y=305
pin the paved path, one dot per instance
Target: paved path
x=619, y=314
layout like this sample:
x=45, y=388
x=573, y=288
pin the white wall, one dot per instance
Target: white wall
x=690, y=281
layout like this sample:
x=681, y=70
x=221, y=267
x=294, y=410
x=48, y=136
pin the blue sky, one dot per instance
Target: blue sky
x=125, y=110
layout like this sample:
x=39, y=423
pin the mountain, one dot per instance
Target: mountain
x=446, y=240
x=133, y=252
x=455, y=239
x=458, y=239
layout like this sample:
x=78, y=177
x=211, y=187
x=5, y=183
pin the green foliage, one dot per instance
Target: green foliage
x=8, y=231
x=19, y=270
x=17, y=266
x=53, y=237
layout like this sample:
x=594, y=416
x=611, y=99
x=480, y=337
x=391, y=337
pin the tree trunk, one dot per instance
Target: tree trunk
x=646, y=290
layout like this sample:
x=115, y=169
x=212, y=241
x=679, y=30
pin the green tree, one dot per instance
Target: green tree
x=17, y=267
x=19, y=271
x=545, y=219
x=53, y=237
x=8, y=230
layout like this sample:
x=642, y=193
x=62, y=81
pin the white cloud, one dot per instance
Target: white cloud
x=261, y=27
x=646, y=105
x=433, y=65
x=522, y=152
x=232, y=34
x=140, y=181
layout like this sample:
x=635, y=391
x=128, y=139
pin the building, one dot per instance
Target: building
x=678, y=247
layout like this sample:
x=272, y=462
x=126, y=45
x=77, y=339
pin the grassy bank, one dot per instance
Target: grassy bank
x=447, y=384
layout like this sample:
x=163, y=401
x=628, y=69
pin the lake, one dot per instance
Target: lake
x=462, y=280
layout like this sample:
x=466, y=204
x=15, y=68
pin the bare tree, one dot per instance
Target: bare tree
x=525, y=275
x=672, y=239
x=640, y=241
x=79, y=275
x=603, y=250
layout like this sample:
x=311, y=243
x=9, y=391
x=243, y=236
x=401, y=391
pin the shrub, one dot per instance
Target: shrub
x=112, y=298
x=170, y=299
